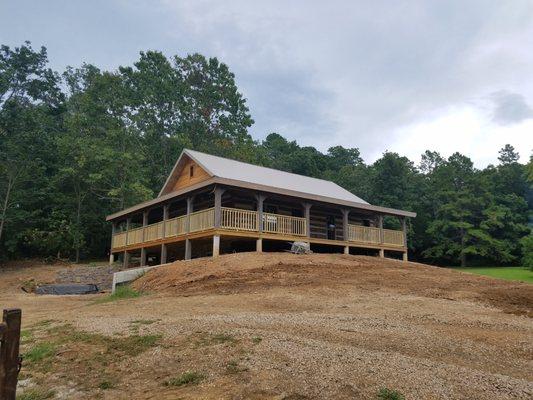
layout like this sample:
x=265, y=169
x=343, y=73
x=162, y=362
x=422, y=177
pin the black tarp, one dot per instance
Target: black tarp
x=67, y=289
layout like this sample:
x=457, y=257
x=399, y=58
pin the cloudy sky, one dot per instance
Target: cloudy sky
x=378, y=75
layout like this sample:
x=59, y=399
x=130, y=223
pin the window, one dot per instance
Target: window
x=191, y=171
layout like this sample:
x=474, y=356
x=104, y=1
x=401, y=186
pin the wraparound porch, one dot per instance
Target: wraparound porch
x=227, y=212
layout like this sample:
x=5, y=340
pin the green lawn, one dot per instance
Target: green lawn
x=508, y=273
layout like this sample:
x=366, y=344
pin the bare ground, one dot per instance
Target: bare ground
x=281, y=326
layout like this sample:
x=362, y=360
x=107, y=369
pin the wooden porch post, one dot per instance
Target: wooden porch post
x=218, y=205
x=188, y=249
x=163, y=259
x=126, y=258
x=404, y=228
x=381, y=236
x=307, y=214
x=113, y=231
x=345, y=220
x=260, y=200
x=9, y=352
x=143, y=249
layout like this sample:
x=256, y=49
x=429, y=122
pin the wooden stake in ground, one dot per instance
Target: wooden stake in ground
x=9, y=353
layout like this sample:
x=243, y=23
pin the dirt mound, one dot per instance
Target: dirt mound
x=252, y=272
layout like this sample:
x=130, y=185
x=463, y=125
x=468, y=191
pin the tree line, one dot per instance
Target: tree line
x=81, y=144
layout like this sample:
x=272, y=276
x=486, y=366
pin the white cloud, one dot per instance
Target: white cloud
x=465, y=129
x=405, y=75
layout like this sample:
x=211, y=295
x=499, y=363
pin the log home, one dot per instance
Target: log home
x=211, y=205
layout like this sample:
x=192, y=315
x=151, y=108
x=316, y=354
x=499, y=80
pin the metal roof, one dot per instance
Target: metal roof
x=235, y=173
x=254, y=174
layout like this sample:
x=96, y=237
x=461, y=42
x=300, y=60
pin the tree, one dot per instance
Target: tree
x=508, y=155
x=30, y=108
x=458, y=203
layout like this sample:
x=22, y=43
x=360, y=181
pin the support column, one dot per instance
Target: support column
x=216, y=245
x=218, y=205
x=165, y=217
x=307, y=215
x=260, y=200
x=404, y=228
x=381, y=236
x=259, y=242
x=126, y=259
x=163, y=253
x=189, y=211
x=128, y=223
x=188, y=249
x=143, y=250
x=346, y=249
x=345, y=219
x=113, y=231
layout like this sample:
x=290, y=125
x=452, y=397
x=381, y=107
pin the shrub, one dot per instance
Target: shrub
x=389, y=394
x=187, y=378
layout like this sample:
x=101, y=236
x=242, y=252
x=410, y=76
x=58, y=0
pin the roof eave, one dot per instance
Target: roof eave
x=264, y=188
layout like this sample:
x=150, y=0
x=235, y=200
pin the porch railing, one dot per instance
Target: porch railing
x=119, y=239
x=246, y=220
x=153, y=232
x=284, y=225
x=393, y=237
x=202, y=220
x=363, y=234
x=135, y=236
x=368, y=234
x=237, y=219
x=176, y=226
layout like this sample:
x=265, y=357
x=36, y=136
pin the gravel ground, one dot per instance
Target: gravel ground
x=308, y=327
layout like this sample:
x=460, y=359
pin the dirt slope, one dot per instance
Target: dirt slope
x=281, y=327
x=250, y=272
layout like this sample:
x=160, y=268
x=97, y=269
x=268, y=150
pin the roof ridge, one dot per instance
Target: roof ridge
x=261, y=166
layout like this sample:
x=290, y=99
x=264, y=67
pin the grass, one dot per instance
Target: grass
x=40, y=352
x=121, y=292
x=389, y=394
x=508, y=273
x=233, y=367
x=105, y=385
x=203, y=339
x=256, y=340
x=36, y=394
x=95, y=352
x=187, y=378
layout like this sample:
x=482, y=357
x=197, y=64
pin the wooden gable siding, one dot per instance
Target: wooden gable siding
x=184, y=179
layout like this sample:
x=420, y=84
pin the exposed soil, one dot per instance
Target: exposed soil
x=281, y=326
x=249, y=272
